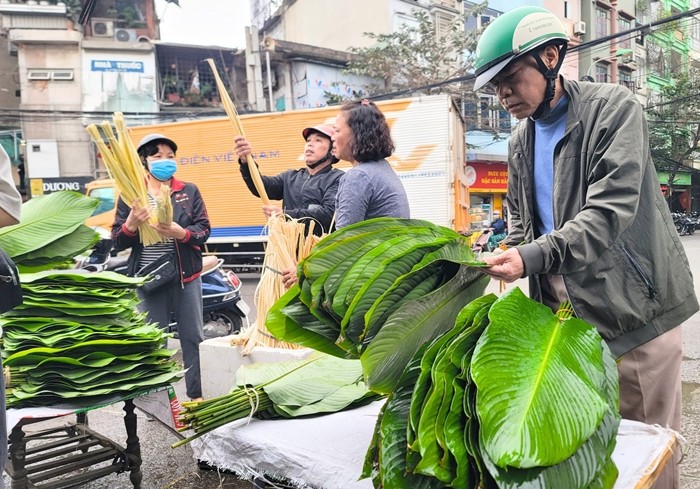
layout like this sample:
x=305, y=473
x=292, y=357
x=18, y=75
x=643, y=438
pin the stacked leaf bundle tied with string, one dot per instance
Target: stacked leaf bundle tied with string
x=377, y=290
x=125, y=167
x=512, y=397
x=287, y=244
x=315, y=385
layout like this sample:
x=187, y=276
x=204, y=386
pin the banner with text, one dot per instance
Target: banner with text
x=487, y=177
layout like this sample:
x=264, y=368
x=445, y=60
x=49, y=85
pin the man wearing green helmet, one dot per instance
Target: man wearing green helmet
x=588, y=221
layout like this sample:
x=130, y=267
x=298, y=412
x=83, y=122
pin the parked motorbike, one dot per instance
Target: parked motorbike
x=479, y=245
x=687, y=225
x=224, y=308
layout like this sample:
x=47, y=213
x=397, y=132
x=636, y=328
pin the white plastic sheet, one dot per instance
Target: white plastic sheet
x=327, y=452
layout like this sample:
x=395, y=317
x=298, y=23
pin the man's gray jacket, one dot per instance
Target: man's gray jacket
x=614, y=241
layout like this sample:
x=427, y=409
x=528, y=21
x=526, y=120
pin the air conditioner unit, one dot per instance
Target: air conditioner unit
x=125, y=35
x=102, y=28
x=38, y=75
x=66, y=75
x=579, y=27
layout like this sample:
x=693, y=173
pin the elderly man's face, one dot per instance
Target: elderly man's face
x=520, y=87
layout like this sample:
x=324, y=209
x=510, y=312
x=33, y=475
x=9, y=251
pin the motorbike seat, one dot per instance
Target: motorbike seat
x=209, y=262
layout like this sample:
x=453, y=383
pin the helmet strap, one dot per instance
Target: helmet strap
x=322, y=160
x=550, y=76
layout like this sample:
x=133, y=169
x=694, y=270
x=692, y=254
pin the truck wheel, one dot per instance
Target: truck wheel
x=222, y=323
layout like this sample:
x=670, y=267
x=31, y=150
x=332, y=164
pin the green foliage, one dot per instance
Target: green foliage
x=355, y=296
x=416, y=55
x=78, y=337
x=51, y=230
x=512, y=397
x=674, y=129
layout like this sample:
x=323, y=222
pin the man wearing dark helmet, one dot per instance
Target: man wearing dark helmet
x=307, y=193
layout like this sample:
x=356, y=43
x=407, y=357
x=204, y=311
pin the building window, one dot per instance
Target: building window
x=602, y=22
x=624, y=25
x=625, y=78
x=566, y=10
x=492, y=115
x=484, y=20
x=601, y=73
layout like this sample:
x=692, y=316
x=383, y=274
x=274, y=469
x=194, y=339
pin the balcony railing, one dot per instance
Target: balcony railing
x=629, y=84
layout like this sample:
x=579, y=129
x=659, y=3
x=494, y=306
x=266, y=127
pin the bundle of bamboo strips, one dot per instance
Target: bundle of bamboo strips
x=164, y=207
x=286, y=245
x=124, y=166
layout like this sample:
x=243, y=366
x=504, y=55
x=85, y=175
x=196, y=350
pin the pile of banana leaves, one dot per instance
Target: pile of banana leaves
x=378, y=290
x=317, y=385
x=51, y=231
x=77, y=337
x=512, y=397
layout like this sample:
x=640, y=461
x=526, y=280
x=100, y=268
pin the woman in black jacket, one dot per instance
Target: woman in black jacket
x=182, y=241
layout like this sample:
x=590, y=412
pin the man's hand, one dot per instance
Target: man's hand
x=137, y=216
x=172, y=230
x=269, y=210
x=508, y=266
x=289, y=277
x=242, y=148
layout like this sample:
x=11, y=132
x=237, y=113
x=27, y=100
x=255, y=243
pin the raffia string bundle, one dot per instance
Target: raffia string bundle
x=286, y=245
x=124, y=166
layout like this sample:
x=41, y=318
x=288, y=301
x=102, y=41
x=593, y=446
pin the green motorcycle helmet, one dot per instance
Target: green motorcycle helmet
x=517, y=32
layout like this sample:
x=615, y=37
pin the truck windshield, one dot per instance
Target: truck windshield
x=106, y=198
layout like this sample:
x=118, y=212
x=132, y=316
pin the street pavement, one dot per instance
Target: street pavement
x=167, y=468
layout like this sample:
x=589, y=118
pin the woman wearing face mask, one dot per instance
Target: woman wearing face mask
x=183, y=238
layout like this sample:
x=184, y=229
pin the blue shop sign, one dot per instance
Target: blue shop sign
x=121, y=66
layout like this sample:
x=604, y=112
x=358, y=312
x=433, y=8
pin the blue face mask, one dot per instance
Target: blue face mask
x=162, y=169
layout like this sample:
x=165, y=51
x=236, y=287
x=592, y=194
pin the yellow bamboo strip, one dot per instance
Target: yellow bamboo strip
x=164, y=207
x=287, y=244
x=124, y=166
x=238, y=128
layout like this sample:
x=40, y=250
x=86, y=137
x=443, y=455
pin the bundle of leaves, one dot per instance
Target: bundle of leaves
x=78, y=337
x=377, y=290
x=512, y=397
x=51, y=231
x=318, y=385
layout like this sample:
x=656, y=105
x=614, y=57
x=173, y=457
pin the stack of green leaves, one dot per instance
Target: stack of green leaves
x=51, y=231
x=78, y=337
x=512, y=397
x=377, y=290
x=320, y=384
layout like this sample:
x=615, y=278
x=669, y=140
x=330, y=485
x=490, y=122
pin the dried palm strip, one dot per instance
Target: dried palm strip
x=124, y=166
x=164, y=207
x=287, y=245
x=238, y=128
x=284, y=243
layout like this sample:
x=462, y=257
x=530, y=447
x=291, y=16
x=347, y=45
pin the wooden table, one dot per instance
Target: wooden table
x=73, y=454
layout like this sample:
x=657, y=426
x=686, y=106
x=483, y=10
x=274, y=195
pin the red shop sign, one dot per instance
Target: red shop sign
x=487, y=176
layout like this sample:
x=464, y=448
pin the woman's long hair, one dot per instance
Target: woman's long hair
x=371, y=136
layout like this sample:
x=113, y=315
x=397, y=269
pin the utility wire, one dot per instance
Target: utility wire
x=644, y=28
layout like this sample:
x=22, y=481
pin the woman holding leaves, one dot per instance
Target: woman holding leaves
x=181, y=247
